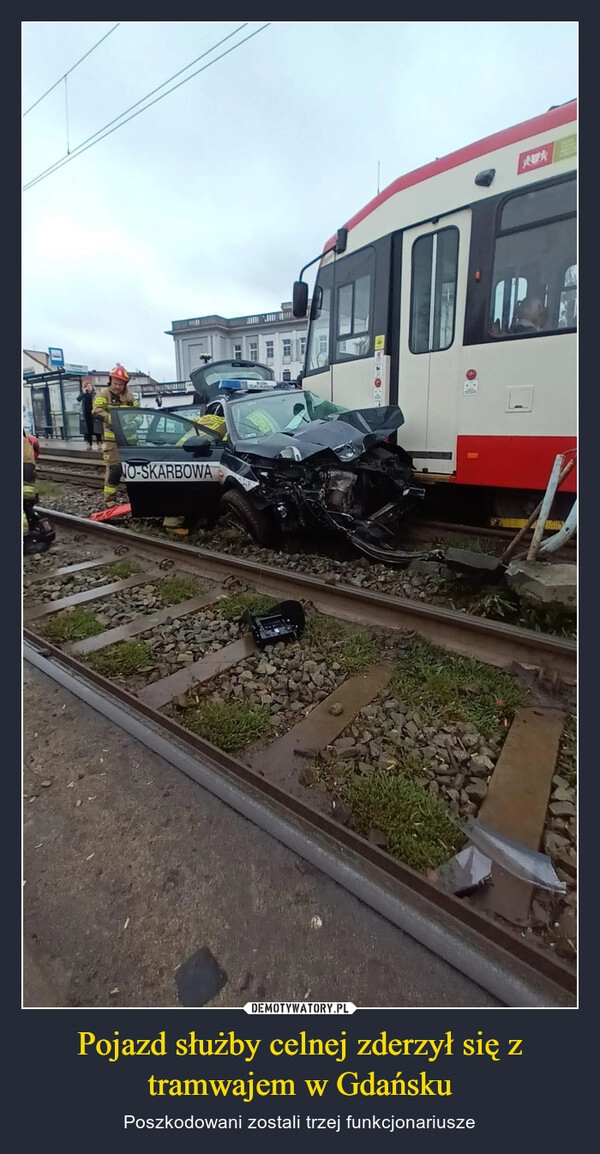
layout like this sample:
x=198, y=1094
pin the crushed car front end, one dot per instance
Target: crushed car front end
x=341, y=473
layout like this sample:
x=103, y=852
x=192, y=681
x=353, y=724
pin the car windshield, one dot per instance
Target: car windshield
x=278, y=412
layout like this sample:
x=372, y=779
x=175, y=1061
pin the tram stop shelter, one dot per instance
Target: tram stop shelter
x=50, y=404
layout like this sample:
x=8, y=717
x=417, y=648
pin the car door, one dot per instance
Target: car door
x=170, y=465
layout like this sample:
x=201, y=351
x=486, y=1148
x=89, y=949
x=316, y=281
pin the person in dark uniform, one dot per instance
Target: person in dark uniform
x=91, y=426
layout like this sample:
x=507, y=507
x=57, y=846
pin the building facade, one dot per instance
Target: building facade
x=275, y=339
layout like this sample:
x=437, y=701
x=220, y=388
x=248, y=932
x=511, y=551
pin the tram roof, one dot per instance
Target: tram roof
x=555, y=117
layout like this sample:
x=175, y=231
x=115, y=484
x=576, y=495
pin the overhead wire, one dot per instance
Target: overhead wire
x=72, y=69
x=157, y=89
x=107, y=130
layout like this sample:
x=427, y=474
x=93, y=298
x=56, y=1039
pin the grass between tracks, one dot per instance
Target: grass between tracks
x=440, y=688
x=125, y=567
x=353, y=649
x=234, y=607
x=173, y=590
x=230, y=725
x=416, y=826
x=442, y=684
x=122, y=659
x=74, y=625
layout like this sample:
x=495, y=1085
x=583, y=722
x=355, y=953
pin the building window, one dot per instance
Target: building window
x=287, y=376
x=237, y=352
x=287, y=350
x=433, y=299
x=269, y=348
x=253, y=350
x=534, y=284
x=301, y=348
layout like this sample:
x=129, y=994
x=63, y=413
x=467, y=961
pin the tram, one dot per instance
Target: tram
x=453, y=294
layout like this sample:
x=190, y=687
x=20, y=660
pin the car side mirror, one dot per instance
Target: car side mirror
x=300, y=299
x=198, y=448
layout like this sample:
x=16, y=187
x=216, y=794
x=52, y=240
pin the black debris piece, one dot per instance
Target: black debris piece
x=284, y=622
x=199, y=978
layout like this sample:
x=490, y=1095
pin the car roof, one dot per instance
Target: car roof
x=239, y=394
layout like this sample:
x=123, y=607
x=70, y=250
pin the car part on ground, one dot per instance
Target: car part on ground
x=284, y=622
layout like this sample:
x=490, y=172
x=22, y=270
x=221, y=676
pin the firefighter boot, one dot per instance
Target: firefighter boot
x=175, y=526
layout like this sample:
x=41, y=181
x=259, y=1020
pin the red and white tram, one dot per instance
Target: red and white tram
x=453, y=294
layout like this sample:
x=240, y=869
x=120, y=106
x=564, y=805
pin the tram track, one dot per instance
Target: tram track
x=495, y=642
x=497, y=957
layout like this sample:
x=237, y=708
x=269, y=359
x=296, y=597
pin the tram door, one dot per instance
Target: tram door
x=432, y=311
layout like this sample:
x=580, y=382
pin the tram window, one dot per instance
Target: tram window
x=433, y=291
x=539, y=205
x=508, y=293
x=534, y=256
x=353, y=278
x=567, y=315
x=318, y=349
x=353, y=311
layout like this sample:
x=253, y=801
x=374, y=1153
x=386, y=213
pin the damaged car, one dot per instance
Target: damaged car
x=271, y=458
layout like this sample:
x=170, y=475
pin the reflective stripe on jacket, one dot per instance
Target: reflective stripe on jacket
x=100, y=409
x=29, y=491
x=210, y=421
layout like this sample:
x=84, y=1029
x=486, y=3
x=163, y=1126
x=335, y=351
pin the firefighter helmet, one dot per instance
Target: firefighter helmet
x=120, y=373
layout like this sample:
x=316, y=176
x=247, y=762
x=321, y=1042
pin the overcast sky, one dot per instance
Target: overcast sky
x=212, y=199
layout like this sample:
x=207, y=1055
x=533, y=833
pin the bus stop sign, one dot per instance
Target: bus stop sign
x=57, y=359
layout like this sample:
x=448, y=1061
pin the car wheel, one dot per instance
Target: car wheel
x=240, y=511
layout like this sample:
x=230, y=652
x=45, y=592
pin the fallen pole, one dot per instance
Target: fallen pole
x=508, y=552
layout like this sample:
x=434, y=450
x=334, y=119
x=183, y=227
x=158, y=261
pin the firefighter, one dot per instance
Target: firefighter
x=29, y=493
x=38, y=533
x=117, y=393
x=216, y=425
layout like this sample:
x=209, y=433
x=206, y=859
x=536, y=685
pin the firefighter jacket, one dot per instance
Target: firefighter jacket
x=212, y=423
x=29, y=493
x=101, y=408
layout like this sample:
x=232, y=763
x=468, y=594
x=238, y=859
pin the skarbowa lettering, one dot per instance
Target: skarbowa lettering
x=169, y=471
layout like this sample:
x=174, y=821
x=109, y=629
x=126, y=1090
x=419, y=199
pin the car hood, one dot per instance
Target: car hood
x=347, y=436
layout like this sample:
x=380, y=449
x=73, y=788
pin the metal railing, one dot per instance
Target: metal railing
x=234, y=322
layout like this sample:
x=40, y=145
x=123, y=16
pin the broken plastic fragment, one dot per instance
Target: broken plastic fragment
x=465, y=871
x=517, y=859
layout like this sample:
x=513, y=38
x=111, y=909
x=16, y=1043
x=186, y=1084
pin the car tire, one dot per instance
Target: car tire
x=256, y=522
